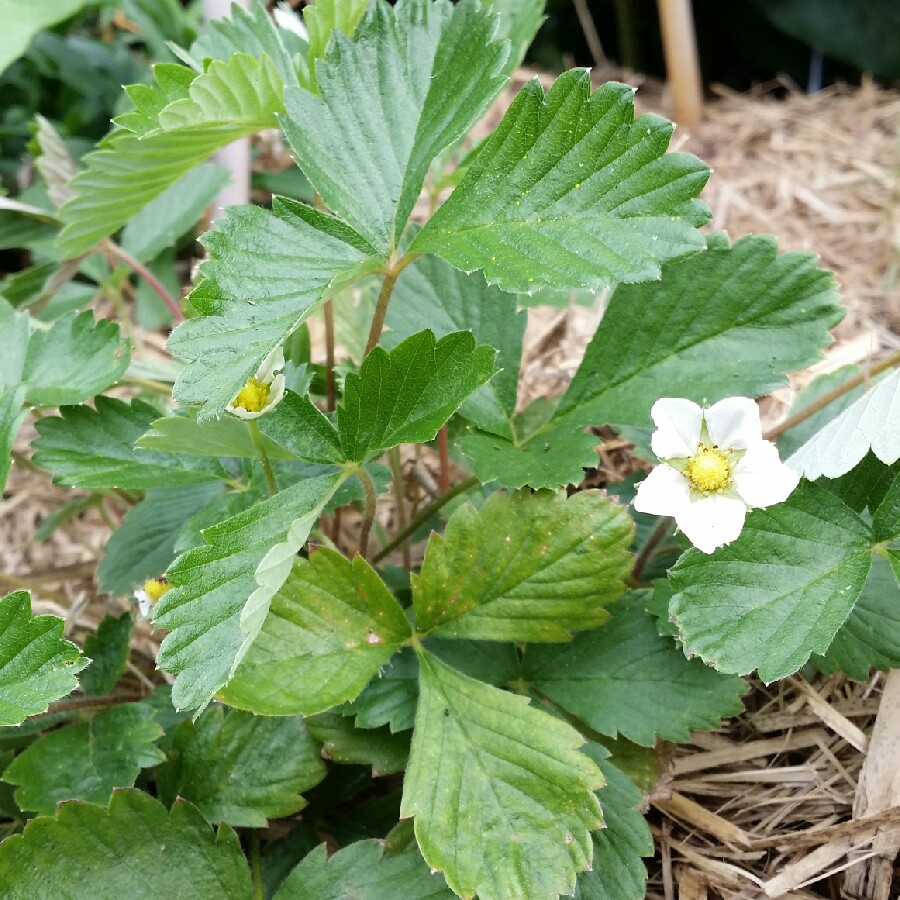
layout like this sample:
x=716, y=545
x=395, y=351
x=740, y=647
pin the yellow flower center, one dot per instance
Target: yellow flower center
x=156, y=587
x=708, y=470
x=253, y=396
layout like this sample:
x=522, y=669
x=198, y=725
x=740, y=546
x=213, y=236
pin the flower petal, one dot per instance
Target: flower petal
x=664, y=492
x=761, y=478
x=273, y=363
x=711, y=522
x=276, y=393
x=678, y=424
x=242, y=413
x=733, y=423
x=144, y=602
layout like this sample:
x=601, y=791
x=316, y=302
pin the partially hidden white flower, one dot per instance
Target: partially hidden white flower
x=715, y=466
x=263, y=391
x=150, y=593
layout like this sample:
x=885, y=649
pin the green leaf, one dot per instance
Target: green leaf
x=618, y=872
x=780, y=592
x=500, y=815
x=342, y=742
x=625, y=679
x=94, y=448
x=12, y=414
x=413, y=80
x=86, y=760
x=554, y=456
x=108, y=650
x=329, y=629
x=363, y=871
x=390, y=697
x=143, y=546
x=865, y=485
x=227, y=436
x=241, y=769
x=36, y=665
x=24, y=21
x=173, y=129
x=871, y=423
x=222, y=590
x=449, y=300
x=886, y=518
x=519, y=23
x=571, y=192
x=730, y=321
x=321, y=19
x=526, y=567
x=148, y=852
x=175, y=211
x=258, y=290
x=870, y=638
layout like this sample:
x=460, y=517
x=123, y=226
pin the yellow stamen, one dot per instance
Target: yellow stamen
x=156, y=587
x=253, y=396
x=709, y=470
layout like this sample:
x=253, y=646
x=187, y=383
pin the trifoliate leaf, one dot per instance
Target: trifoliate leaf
x=500, y=815
x=258, y=290
x=86, y=760
x=321, y=19
x=571, y=192
x=173, y=128
x=871, y=423
x=730, y=321
x=413, y=80
x=222, y=590
x=143, y=546
x=526, y=567
x=390, y=697
x=618, y=872
x=108, y=649
x=554, y=456
x=94, y=448
x=432, y=291
x=342, y=742
x=36, y=665
x=363, y=871
x=870, y=638
x=148, y=852
x=12, y=414
x=623, y=678
x=241, y=769
x=329, y=629
x=780, y=592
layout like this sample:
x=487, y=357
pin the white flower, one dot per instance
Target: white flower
x=715, y=465
x=263, y=391
x=151, y=592
x=144, y=602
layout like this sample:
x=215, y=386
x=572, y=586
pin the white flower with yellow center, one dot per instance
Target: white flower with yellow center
x=148, y=596
x=263, y=391
x=715, y=466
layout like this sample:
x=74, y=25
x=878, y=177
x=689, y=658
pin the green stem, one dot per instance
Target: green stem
x=384, y=298
x=648, y=551
x=832, y=395
x=369, y=515
x=256, y=866
x=424, y=515
x=396, y=465
x=256, y=437
x=138, y=267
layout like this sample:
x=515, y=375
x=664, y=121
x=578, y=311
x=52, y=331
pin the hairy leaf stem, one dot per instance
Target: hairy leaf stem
x=369, y=514
x=396, y=465
x=138, y=267
x=651, y=545
x=391, y=274
x=256, y=437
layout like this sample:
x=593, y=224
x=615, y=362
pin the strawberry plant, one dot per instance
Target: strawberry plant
x=464, y=724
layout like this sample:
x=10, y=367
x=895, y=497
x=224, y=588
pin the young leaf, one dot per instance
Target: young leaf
x=730, y=321
x=363, y=871
x=499, y=815
x=871, y=423
x=780, y=592
x=329, y=629
x=571, y=192
x=618, y=872
x=143, y=546
x=321, y=19
x=625, y=679
x=94, y=448
x=390, y=697
x=36, y=665
x=870, y=638
x=108, y=650
x=170, y=132
x=385, y=752
x=258, y=290
x=222, y=590
x=148, y=852
x=413, y=80
x=526, y=567
x=241, y=769
x=86, y=760
x=449, y=300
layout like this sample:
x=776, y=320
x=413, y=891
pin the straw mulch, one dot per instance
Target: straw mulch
x=800, y=796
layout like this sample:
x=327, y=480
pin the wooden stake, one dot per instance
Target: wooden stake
x=682, y=67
